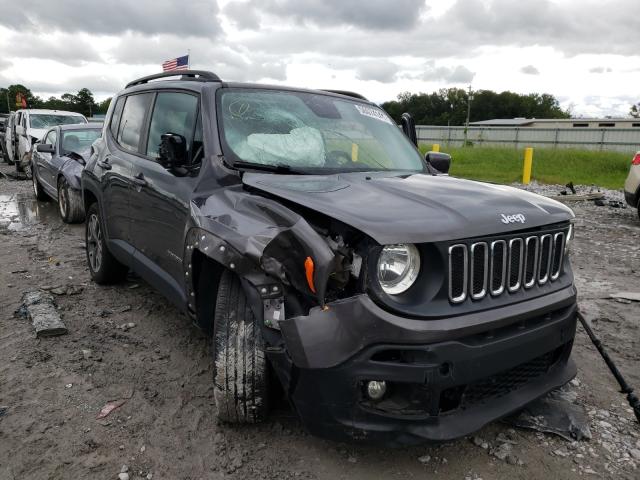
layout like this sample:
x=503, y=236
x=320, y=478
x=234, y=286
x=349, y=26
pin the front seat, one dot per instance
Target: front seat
x=71, y=143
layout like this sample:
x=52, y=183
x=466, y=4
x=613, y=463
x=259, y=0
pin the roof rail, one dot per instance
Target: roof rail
x=347, y=93
x=194, y=75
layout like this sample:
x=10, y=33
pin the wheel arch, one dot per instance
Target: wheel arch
x=206, y=257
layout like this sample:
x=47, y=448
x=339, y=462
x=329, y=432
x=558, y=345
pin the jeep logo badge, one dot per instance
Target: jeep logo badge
x=507, y=219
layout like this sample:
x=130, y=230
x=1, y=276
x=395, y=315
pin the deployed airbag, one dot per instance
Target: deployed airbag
x=302, y=147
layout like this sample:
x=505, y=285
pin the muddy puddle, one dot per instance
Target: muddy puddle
x=20, y=211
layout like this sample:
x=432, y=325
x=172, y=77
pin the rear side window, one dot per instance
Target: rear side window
x=173, y=113
x=132, y=121
x=115, y=116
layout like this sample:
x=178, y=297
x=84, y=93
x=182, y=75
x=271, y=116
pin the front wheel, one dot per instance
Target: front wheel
x=240, y=367
x=103, y=266
x=69, y=203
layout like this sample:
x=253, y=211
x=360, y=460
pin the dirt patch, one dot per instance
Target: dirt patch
x=129, y=347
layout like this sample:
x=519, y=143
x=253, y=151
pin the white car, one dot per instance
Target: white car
x=31, y=125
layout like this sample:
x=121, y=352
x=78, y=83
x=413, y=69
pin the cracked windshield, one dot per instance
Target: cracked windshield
x=312, y=132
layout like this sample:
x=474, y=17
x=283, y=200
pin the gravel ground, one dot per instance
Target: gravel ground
x=127, y=343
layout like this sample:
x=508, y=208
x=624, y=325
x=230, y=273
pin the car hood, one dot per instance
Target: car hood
x=397, y=208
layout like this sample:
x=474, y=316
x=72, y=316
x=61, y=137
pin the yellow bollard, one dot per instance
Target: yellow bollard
x=435, y=147
x=354, y=152
x=528, y=164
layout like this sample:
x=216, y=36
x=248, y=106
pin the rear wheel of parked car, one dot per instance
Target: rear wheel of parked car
x=38, y=191
x=241, y=385
x=103, y=266
x=69, y=203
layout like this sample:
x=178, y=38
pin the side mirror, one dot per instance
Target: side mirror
x=439, y=161
x=45, y=148
x=409, y=127
x=173, y=150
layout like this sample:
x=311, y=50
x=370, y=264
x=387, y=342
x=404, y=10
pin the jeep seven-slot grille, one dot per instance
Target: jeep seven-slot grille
x=482, y=268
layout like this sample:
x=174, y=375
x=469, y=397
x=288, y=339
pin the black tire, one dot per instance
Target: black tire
x=241, y=383
x=103, y=266
x=38, y=191
x=69, y=203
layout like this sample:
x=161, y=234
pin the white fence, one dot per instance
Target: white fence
x=620, y=139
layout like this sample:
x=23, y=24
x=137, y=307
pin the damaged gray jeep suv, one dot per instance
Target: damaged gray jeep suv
x=329, y=261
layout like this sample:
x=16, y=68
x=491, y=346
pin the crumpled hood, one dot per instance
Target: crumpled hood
x=414, y=208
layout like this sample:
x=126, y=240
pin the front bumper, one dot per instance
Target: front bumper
x=446, y=378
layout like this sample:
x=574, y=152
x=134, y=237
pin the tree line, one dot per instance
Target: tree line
x=81, y=102
x=449, y=106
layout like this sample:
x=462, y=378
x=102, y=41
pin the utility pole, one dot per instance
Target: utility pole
x=466, y=123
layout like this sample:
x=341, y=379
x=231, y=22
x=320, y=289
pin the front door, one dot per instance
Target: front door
x=43, y=160
x=162, y=197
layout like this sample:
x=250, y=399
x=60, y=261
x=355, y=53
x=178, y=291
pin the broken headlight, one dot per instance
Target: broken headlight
x=398, y=268
x=567, y=243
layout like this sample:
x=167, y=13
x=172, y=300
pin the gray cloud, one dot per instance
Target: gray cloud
x=366, y=14
x=243, y=15
x=567, y=27
x=600, y=70
x=530, y=70
x=206, y=54
x=379, y=70
x=197, y=17
x=460, y=74
x=450, y=75
x=572, y=27
x=70, y=50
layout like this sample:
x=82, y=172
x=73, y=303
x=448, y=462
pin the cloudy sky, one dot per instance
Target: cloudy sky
x=582, y=51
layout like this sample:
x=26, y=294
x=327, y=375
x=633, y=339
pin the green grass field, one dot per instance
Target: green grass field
x=558, y=166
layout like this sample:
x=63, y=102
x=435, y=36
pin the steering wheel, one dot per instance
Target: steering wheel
x=337, y=158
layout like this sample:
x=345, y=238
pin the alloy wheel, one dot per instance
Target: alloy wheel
x=62, y=201
x=94, y=242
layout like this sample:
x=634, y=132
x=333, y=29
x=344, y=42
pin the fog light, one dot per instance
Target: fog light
x=376, y=389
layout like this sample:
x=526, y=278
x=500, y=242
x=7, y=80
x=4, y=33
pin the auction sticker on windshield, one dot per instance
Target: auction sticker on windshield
x=373, y=113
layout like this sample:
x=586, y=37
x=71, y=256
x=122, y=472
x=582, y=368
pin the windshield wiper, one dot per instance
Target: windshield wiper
x=265, y=167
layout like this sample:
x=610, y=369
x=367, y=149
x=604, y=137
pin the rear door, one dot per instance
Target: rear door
x=123, y=146
x=162, y=195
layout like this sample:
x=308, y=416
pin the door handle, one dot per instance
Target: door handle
x=105, y=165
x=139, y=179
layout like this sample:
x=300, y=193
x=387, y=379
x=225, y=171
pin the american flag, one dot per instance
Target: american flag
x=180, y=63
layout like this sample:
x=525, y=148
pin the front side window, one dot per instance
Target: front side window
x=78, y=140
x=173, y=113
x=311, y=131
x=49, y=120
x=132, y=120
